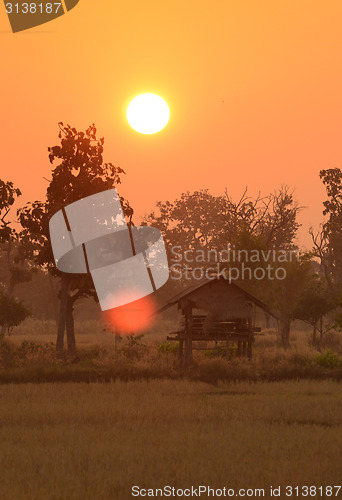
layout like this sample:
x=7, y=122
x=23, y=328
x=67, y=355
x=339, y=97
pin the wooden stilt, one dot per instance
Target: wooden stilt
x=181, y=352
x=239, y=349
x=188, y=331
x=250, y=347
x=250, y=339
x=227, y=350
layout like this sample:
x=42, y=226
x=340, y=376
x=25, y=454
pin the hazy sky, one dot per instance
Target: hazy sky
x=254, y=90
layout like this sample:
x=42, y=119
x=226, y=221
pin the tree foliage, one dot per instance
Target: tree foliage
x=328, y=242
x=14, y=268
x=201, y=220
x=8, y=195
x=79, y=171
x=314, y=303
x=12, y=313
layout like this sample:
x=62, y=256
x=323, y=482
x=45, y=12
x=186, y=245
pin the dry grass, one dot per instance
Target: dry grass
x=87, y=332
x=30, y=356
x=95, y=441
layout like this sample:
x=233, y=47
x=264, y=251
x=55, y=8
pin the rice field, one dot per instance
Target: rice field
x=96, y=441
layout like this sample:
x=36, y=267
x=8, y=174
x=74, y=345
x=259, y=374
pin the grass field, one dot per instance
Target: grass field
x=154, y=424
x=95, y=441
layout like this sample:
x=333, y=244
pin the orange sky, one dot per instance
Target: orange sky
x=275, y=64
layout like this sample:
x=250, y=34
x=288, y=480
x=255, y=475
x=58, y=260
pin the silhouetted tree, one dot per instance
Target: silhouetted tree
x=203, y=221
x=283, y=295
x=13, y=265
x=328, y=241
x=313, y=304
x=80, y=172
x=12, y=313
x=192, y=222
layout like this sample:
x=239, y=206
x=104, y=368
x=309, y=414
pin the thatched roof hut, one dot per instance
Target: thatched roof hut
x=215, y=309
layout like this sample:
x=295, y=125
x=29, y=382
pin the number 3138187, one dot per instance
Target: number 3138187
x=33, y=8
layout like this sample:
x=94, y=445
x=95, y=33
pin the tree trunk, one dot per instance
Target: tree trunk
x=62, y=316
x=285, y=332
x=320, y=332
x=10, y=286
x=267, y=320
x=70, y=327
x=54, y=298
x=314, y=334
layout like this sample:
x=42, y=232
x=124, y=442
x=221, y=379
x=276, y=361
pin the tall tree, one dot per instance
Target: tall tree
x=13, y=265
x=314, y=303
x=285, y=294
x=328, y=242
x=201, y=221
x=78, y=171
x=192, y=221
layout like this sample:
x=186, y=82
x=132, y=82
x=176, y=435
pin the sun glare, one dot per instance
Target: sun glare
x=148, y=113
x=133, y=317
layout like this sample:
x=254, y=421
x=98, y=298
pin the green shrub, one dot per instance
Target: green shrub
x=329, y=359
x=221, y=351
x=134, y=348
x=167, y=346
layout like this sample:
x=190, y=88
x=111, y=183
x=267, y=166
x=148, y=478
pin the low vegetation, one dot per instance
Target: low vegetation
x=29, y=356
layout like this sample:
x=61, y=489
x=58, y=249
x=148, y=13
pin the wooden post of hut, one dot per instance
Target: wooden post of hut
x=188, y=332
x=250, y=339
x=244, y=349
x=227, y=349
x=181, y=352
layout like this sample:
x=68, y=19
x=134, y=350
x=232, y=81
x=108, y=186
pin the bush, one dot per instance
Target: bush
x=12, y=313
x=221, y=351
x=169, y=347
x=329, y=359
x=7, y=355
x=135, y=348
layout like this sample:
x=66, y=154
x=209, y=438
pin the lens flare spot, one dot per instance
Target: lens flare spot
x=132, y=317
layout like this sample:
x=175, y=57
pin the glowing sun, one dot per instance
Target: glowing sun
x=148, y=113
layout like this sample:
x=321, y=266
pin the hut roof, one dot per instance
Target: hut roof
x=205, y=282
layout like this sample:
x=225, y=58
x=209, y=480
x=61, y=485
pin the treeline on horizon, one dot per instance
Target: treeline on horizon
x=198, y=221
